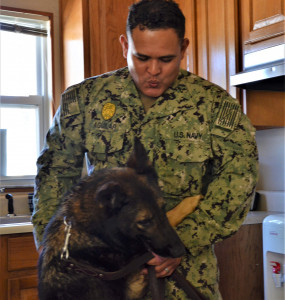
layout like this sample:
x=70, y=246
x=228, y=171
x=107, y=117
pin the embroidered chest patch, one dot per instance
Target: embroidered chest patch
x=108, y=111
x=228, y=115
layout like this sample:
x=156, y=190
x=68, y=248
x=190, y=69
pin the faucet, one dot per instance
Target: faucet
x=10, y=199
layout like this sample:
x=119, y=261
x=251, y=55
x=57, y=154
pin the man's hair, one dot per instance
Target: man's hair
x=156, y=14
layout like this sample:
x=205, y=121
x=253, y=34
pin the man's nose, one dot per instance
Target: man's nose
x=154, y=67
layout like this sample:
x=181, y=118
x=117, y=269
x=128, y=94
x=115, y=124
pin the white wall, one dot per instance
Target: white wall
x=50, y=6
x=271, y=148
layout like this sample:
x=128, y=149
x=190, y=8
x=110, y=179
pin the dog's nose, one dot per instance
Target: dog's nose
x=177, y=250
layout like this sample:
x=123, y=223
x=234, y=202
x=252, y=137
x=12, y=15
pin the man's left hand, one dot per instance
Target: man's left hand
x=164, y=266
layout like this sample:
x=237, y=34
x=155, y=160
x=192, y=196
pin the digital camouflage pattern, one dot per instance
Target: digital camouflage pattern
x=197, y=138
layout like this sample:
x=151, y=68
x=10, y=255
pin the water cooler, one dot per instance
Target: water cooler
x=274, y=257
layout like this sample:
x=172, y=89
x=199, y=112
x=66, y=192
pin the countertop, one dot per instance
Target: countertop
x=253, y=217
x=16, y=228
x=257, y=217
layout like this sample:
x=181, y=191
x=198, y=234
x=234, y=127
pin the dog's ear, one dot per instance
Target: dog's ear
x=111, y=196
x=139, y=160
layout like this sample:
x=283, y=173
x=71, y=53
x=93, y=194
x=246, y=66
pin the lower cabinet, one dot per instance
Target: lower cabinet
x=240, y=260
x=18, y=267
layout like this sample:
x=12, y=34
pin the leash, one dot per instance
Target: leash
x=157, y=285
x=186, y=286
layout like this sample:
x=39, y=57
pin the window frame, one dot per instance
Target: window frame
x=44, y=100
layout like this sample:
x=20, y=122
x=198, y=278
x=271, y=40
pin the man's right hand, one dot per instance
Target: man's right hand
x=183, y=209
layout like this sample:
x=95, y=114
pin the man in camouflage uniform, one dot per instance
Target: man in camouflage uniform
x=195, y=133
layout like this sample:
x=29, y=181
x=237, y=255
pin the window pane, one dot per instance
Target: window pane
x=18, y=64
x=20, y=123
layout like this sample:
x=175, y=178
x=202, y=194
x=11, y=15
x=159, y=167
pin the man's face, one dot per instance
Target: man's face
x=153, y=58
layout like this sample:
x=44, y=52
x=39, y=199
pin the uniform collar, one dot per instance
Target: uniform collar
x=177, y=94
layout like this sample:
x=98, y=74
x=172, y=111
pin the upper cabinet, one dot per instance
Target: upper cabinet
x=262, y=24
x=213, y=34
x=90, y=37
x=107, y=21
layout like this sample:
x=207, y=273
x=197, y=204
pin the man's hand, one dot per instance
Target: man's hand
x=183, y=209
x=164, y=266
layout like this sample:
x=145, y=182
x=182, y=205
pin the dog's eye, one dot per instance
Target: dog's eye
x=144, y=222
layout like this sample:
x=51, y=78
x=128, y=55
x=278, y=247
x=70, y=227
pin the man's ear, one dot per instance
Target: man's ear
x=184, y=46
x=125, y=45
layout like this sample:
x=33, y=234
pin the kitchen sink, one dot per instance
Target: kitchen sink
x=15, y=219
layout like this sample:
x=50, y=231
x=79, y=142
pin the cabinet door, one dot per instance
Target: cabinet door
x=24, y=288
x=211, y=26
x=262, y=24
x=90, y=37
x=22, y=253
x=240, y=260
x=107, y=21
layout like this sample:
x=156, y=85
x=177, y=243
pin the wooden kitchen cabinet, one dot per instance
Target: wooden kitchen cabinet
x=18, y=267
x=262, y=25
x=213, y=34
x=240, y=260
x=90, y=37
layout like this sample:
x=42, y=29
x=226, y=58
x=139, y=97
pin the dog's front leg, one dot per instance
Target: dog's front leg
x=136, y=286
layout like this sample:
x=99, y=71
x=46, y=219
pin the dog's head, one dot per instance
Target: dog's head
x=125, y=208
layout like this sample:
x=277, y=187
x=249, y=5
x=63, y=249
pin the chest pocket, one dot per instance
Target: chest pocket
x=181, y=167
x=108, y=149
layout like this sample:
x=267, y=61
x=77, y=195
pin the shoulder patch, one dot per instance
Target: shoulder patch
x=228, y=115
x=70, y=105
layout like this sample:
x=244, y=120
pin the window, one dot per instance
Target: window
x=25, y=91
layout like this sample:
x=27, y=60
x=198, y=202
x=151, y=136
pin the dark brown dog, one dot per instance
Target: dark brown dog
x=110, y=218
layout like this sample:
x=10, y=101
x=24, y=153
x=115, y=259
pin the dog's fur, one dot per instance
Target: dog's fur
x=116, y=215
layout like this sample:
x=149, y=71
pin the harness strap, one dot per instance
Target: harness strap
x=85, y=268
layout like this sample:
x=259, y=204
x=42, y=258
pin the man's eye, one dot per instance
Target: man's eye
x=142, y=58
x=166, y=59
